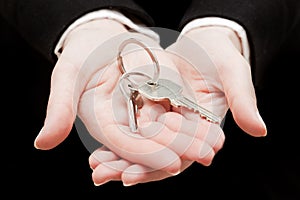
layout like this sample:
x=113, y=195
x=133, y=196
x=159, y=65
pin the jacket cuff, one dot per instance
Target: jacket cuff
x=105, y=14
x=217, y=21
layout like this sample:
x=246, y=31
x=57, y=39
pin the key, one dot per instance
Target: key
x=138, y=100
x=134, y=102
x=133, y=98
x=168, y=90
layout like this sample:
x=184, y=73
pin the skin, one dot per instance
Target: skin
x=240, y=99
x=133, y=158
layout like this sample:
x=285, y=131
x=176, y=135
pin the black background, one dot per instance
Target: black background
x=246, y=167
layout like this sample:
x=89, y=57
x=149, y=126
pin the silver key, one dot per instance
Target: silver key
x=133, y=98
x=134, y=102
x=132, y=110
x=168, y=90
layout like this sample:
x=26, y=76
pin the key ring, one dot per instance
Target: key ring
x=132, y=85
x=152, y=56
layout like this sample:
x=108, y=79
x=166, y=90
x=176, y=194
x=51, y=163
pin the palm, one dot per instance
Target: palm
x=103, y=110
x=173, y=119
x=201, y=78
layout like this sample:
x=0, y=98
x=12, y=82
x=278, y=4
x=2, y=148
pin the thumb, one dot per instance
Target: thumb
x=61, y=108
x=241, y=97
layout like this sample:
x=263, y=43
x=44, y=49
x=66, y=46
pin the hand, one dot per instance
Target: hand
x=75, y=85
x=64, y=97
x=216, y=41
x=182, y=131
x=228, y=74
x=71, y=90
x=109, y=166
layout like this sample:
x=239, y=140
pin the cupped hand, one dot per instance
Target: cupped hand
x=216, y=53
x=79, y=87
x=180, y=129
x=219, y=77
x=163, y=130
x=83, y=84
x=65, y=91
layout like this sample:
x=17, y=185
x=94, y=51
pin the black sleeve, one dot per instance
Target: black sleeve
x=42, y=22
x=267, y=23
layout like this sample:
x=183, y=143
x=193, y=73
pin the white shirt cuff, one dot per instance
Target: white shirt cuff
x=107, y=14
x=216, y=21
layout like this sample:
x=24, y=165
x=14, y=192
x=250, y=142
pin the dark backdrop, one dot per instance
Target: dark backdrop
x=246, y=167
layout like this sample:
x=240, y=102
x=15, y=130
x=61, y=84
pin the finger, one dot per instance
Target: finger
x=138, y=149
x=61, y=109
x=241, y=97
x=105, y=115
x=140, y=174
x=101, y=155
x=234, y=73
x=211, y=133
x=151, y=111
x=133, y=174
x=189, y=148
x=186, y=145
x=108, y=171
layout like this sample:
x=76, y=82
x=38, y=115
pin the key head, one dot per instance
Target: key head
x=164, y=89
x=137, y=98
x=132, y=119
x=134, y=102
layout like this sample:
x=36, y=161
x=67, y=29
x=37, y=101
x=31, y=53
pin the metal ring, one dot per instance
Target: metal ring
x=133, y=85
x=153, y=58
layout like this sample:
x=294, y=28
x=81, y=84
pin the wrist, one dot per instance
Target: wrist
x=209, y=33
x=103, y=27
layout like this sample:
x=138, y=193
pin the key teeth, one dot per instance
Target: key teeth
x=204, y=116
x=211, y=120
x=208, y=118
x=196, y=111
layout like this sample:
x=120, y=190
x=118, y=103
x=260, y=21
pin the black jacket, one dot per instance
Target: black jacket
x=268, y=23
x=245, y=168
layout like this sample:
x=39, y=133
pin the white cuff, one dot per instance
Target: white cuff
x=216, y=21
x=107, y=14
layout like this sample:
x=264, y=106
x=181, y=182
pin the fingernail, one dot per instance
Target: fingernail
x=35, y=144
x=128, y=184
x=175, y=173
x=35, y=141
x=98, y=184
x=262, y=122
